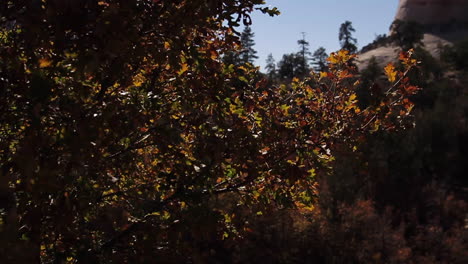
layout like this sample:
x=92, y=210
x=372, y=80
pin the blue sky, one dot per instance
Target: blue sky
x=320, y=20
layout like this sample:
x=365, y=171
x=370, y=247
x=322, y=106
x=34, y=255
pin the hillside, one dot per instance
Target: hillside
x=441, y=22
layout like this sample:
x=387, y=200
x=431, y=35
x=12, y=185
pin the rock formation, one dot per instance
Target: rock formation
x=444, y=22
x=433, y=12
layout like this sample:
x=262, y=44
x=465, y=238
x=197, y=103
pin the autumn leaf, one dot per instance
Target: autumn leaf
x=390, y=72
x=149, y=120
x=406, y=58
x=44, y=63
x=103, y=3
x=323, y=75
x=213, y=54
x=138, y=80
x=411, y=89
x=183, y=69
x=340, y=57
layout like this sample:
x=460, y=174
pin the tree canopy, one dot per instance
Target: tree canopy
x=248, y=53
x=121, y=127
x=303, y=56
x=407, y=34
x=319, y=59
x=270, y=66
x=345, y=36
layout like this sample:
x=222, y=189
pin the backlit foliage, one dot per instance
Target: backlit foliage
x=120, y=123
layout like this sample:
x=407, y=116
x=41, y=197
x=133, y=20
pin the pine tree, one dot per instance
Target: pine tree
x=287, y=66
x=319, y=60
x=303, y=56
x=248, y=53
x=369, y=91
x=345, y=36
x=407, y=34
x=270, y=66
x=372, y=71
x=231, y=57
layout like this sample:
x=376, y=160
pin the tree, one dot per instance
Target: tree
x=372, y=71
x=303, y=56
x=248, y=53
x=407, y=34
x=345, y=36
x=232, y=57
x=369, y=90
x=379, y=41
x=292, y=65
x=287, y=66
x=456, y=55
x=319, y=60
x=112, y=121
x=121, y=128
x=270, y=67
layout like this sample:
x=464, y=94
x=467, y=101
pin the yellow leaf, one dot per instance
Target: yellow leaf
x=323, y=75
x=167, y=45
x=390, y=72
x=333, y=59
x=183, y=69
x=44, y=63
x=340, y=57
x=312, y=173
x=138, y=80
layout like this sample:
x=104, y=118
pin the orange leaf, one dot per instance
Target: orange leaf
x=390, y=72
x=44, y=63
x=183, y=69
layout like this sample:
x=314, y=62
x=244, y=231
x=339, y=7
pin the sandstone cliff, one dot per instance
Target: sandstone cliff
x=433, y=12
x=444, y=22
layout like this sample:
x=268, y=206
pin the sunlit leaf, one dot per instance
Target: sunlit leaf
x=390, y=72
x=45, y=63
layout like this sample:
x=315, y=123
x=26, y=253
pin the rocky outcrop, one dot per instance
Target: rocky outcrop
x=389, y=52
x=433, y=12
x=444, y=22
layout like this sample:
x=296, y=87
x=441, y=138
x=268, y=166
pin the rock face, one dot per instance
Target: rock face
x=433, y=12
x=444, y=22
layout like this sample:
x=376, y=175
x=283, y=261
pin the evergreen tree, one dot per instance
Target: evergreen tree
x=407, y=34
x=345, y=36
x=303, y=56
x=270, y=66
x=287, y=66
x=369, y=91
x=248, y=53
x=231, y=57
x=372, y=71
x=456, y=55
x=319, y=60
